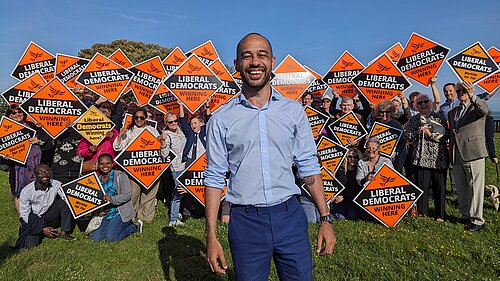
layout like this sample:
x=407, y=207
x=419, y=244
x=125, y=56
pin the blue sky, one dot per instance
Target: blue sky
x=316, y=33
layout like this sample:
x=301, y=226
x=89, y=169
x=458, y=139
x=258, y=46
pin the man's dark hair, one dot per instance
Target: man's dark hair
x=249, y=34
x=448, y=84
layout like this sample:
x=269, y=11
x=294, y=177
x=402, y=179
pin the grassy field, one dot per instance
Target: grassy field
x=416, y=249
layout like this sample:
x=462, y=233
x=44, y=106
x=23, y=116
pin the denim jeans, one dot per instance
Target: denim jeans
x=113, y=230
x=176, y=198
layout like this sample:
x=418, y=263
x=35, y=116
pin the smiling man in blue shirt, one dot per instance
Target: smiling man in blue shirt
x=257, y=137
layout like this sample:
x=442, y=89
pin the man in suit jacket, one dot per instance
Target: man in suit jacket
x=468, y=150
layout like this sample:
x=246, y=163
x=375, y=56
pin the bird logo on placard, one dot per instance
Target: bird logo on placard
x=34, y=86
x=475, y=52
x=206, y=52
x=382, y=67
x=495, y=58
x=63, y=62
x=193, y=68
x=153, y=69
x=385, y=180
x=394, y=55
x=6, y=127
x=118, y=61
x=54, y=92
x=100, y=65
x=416, y=46
x=177, y=59
x=145, y=142
x=346, y=64
x=218, y=72
x=89, y=182
x=34, y=55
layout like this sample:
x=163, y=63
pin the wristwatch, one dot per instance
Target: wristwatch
x=328, y=218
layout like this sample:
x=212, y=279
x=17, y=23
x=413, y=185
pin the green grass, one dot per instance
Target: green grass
x=416, y=249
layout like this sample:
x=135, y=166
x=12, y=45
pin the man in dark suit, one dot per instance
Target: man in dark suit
x=468, y=150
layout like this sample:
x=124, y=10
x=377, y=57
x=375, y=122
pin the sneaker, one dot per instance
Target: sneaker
x=176, y=223
x=68, y=237
x=138, y=224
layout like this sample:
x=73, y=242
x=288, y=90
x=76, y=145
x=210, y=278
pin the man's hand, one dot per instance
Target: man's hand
x=327, y=235
x=469, y=88
x=215, y=256
x=47, y=232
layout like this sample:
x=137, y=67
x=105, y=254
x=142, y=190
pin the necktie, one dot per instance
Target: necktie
x=459, y=114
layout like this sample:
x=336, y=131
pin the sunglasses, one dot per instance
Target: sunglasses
x=461, y=91
x=139, y=117
x=172, y=122
x=356, y=100
x=16, y=112
x=352, y=157
x=422, y=102
x=384, y=111
x=326, y=101
x=372, y=148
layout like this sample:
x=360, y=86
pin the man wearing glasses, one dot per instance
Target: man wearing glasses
x=468, y=150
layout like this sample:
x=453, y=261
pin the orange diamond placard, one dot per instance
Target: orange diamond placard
x=54, y=106
x=340, y=75
x=23, y=90
x=34, y=59
x=120, y=58
x=317, y=119
x=206, y=52
x=192, y=179
x=473, y=64
x=193, y=83
x=164, y=100
x=394, y=52
x=173, y=60
x=84, y=195
x=227, y=91
x=14, y=140
x=348, y=127
x=147, y=77
x=143, y=160
x=291, y=79
x=388, y=197
x=491, y=83
x=68, y=68
x=381, y=80
x=422, y=58
x=388, y=137
x=331, y=186
x=330, y=154
x=105, y=77
x=318, y=87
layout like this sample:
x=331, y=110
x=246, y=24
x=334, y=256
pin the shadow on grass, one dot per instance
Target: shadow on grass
x=186, y=256
x=5, y=251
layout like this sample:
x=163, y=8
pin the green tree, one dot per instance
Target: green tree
x=136, y=51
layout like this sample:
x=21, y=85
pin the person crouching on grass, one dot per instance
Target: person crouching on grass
x=117, y=217
x=42, y=208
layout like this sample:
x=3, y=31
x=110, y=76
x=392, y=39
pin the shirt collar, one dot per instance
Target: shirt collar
x=243, y=100
x=37, y=186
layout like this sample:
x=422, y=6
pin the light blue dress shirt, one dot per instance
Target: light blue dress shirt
x=258, y=148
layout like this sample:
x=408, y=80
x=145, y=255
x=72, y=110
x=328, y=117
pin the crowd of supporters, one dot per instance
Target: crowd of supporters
x=422, y=155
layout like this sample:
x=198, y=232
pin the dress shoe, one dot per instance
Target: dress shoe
x=474, y=227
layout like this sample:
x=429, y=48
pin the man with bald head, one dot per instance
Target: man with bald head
x=257, y=137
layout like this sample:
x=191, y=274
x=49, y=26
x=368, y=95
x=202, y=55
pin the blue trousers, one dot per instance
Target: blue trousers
x=113, y=230
x=257, y=234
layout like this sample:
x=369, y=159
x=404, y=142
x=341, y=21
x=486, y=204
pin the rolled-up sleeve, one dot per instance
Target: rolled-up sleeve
x=217, y=154
x=304, y=148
